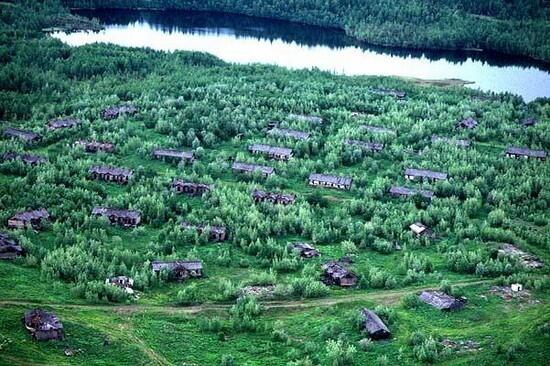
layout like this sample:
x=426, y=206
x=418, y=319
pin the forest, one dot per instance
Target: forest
x=518, y=27
x=195, y=102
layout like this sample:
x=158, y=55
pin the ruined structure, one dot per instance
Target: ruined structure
x=305, y=250
x=247, y=168
x=424, y=174
x=273, y=197
x=95, y=146
x=367, y=146
x=28, y=159
x=178, y=270
x=374, y=326
x=467, y=123
x=9, y=249
x=28, y=219
x=60, y=123
x=125, y=218
x=337, y=273
x=419, y=229
x=124, y=282
x=447, y=140
x=43, y=325
x=397, y=191
x=283, y=132
x=116, y=111
x=190, y=188
x=330, y=181
x=526, y=259
x=25, y=135
x=441, y=301
x=173, y=155
x=525, y=153
x=272, y=152
x=216, y=233
x=111, y=174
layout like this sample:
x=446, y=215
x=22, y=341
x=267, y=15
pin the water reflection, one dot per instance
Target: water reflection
x=243, y=39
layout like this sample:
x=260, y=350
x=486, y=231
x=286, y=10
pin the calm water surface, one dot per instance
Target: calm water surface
x=241, y=39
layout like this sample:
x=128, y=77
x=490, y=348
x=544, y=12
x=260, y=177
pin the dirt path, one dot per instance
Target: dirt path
x=388, y=297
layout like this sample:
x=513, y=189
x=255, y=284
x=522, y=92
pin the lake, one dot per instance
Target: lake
x=242, y=39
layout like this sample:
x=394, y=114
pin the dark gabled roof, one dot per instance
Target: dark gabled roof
x=332, y=179
x=122, y=213
x=267, y=149
x=457, y=142
x=104, y=169
x=283, y=132
x=440, y=300
x=301, y=117
x=246, y=167
x=66, y=122
x=468, y=123
x=523, y=151
x=425, y=173
x=374, y=325
x=172, y=153
x=404, y=191
x=22, y=134
x=31, y=215
x=26, y=158
x=170, y=265
x=40, y=320
x=373, y=146
x=378, y=129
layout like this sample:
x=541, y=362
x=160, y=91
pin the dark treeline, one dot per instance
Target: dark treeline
x=518, y=27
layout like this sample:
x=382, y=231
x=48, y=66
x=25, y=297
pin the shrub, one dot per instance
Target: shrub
x=340, y=354
x=227, y=360
x=189, y=295
x=365, y=344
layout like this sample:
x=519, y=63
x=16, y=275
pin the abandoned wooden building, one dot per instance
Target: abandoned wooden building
x=528, y=122
x=173, y=155
x=9, y=249
x=306, y=118
x=447, y=140
x=378, y=129
x=43, y=325
x=424, y=174
x=374, y=326
x=123, y=282
x=526, y=259
x=124, y=218
x=525, y=153
x=330, y=181
x=178, y=270
x=441, y=301
x=248, y=168
x=271, y=152
x=118, y=110
x=337, y=273
x=215, y=233
x=190, y=188
x=467, y=123
x=398, y=191
x=95, y=146
x=367, y=146
x=28, y=159
x=60, y=123
x=419, y=229
x=110, y=173
x=28, y=219
x=26, y=136
x=293, y=134
x=273, y=197
x=305, y=250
